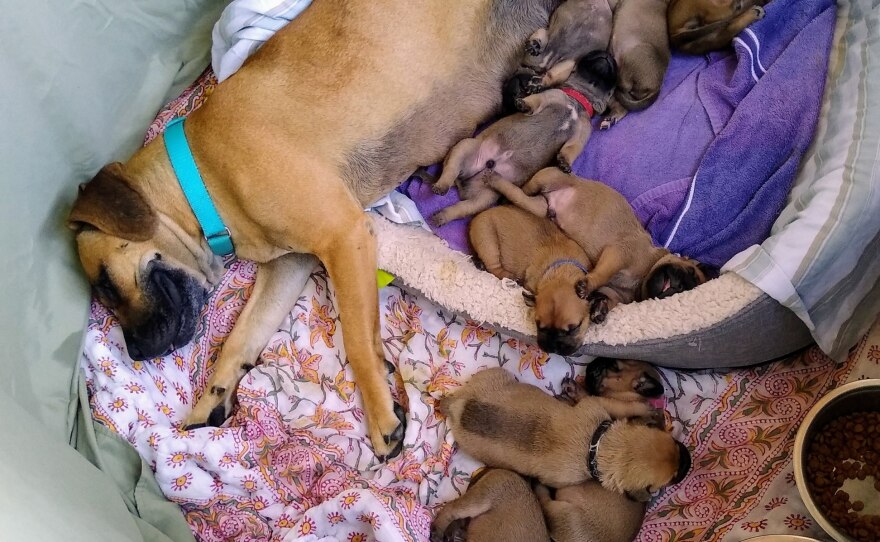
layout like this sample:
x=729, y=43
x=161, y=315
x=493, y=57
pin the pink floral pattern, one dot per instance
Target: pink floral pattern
x=294, y=458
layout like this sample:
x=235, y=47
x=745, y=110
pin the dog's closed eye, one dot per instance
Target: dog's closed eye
x=105, y=290
x=693, y=23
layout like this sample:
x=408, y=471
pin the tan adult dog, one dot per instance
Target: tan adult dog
x=699, y=26
x=506, y=424
x=330, y=114
x=515, y=244
x=627, y=266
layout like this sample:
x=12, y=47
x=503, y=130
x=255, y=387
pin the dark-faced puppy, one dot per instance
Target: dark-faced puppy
x=623, y=253
x=699, y=26
x=515, y=426
x=498, y=505
x=671, y=275
x=627, y=380
x=640, y=45
x=577, y=27
x=531, y=250
x=552, y=124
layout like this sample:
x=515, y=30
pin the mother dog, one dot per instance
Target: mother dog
x=331, y=114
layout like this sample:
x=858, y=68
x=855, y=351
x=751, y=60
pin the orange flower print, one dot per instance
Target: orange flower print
x=182, y=482
x=755, y=526
x=138, y=366
x=134, y=387
x=217, y=434
x=249, y=484
x=182, y=434
x=372, y=518
x=165, y=409
x=144, y=418
x=107, y=366
x=284, y=522
x=356, y=537
x=349, y=500
x=535, y=358
x=797, y=522
x=329, y=419
x=321, y=324
x=474, y=334
x=153, y=441
x=217, y=485
x=159, y=363
x=227, y=461
x=308, y=527
x=160, y=384
x=176, y=460
x=404, y=317
x=335, y=518
x=200, y=457
x=441, y=381
x=308, y=365
x=179, y=361
x=259, y=503
x=344, y=388
x=181, y=394
x=118, y=405
x=874, y=354
x=775, y=502
x=445, y=345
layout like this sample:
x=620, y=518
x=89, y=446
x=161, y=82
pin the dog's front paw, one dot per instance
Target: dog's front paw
x=534, y=47
x=440, y=189
x=563, y=164
x=535, y=85
x=571, y=390
x=387, y=438
x=212, y=409
x=607, y=122
x=582, y=289
x=598, y=308
x=522, y=106
x=439, y=219
x=759, y=12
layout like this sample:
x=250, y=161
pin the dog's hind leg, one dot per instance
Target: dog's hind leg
x=535, y=205
x=558, y=74
x=276, y=289
x=480, y=201
x=545, y=181
x=349, y=252
x=537, y=42
x=484, y=237
x=459, y=164
x=610, y=262
x=575, y=144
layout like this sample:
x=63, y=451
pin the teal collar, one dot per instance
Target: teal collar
x=180, y=155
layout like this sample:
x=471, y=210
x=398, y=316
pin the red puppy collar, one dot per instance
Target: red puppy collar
x=581, y=99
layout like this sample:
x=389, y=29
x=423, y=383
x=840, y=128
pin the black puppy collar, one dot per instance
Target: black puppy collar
x=594, y=449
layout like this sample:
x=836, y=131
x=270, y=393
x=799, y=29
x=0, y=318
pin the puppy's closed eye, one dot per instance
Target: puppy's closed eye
x=693, y=23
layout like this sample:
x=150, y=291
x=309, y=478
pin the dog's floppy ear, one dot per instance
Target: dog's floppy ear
x=110, y=204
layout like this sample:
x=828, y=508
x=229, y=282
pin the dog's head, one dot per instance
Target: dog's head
x=562, y=318
x=595, y=76
x=641, y=70
x=627, y=380
x=699, y=26
x=641, y=460
x=137, y=266
x=672, y=274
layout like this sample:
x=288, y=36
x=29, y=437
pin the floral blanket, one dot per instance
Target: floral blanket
x=294, y=462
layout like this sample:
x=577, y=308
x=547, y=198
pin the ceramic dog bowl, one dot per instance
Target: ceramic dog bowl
x=860, y=396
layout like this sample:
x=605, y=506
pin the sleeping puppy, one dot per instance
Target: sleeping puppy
x=640, y=45
x=514, y=244
x=624, y=379
x=498, y=505
x=506, y=424
x=577, y=28
x=699, y=26
x=626, y=262
x=552, y=124
x=588, y=513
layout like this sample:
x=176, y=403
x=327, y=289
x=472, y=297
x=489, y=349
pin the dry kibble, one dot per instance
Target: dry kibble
x=846, y=448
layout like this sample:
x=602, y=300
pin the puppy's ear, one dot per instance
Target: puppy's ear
x=529, y=298
x=684, y=463
x=110, y=204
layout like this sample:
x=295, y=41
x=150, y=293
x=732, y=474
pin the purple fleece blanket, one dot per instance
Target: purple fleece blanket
x=709, y=166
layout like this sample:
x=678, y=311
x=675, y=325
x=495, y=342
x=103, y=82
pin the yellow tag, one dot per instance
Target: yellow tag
x=383, y=278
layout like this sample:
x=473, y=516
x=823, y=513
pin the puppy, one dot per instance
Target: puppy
x=499, y=505
x=623, y=379
x=514, y=244
x=505, y=424
x=640, y=45
x=577, y=27
x=554, y=123
x=588, y=512
x=699, y=26
x=627, y=265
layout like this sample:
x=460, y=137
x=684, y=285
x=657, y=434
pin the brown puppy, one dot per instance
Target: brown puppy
x=323, y=126
x=498, y=505
x=640, y=45
x=514, y=244
x=576, y=28
x=588, y=512
x=505, y=424
x=699, y=26
x=628, y=267
x=552, y=124
x=624, y=379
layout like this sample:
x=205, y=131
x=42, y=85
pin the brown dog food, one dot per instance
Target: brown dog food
x=848, y=448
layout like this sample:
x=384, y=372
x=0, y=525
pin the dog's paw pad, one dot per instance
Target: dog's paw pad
x=521, y=105
x=607, y=123
x=533, y=47
x=599, y=310
x=563, y=164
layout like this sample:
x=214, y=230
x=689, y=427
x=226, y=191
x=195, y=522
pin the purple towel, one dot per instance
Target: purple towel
x=709, y=166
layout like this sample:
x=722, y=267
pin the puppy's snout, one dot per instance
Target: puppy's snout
x=554, y=341
x=165, y=286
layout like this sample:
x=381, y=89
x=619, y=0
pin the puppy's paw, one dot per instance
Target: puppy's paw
x=535, y=85
x=598, y=308
x=440, y=189
x=533, y=47
x=759, y=12
x=522, y=106
x=563, y=164
x=607, y=122
x=581, y=288
x=439, y=219
x=571, y=391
